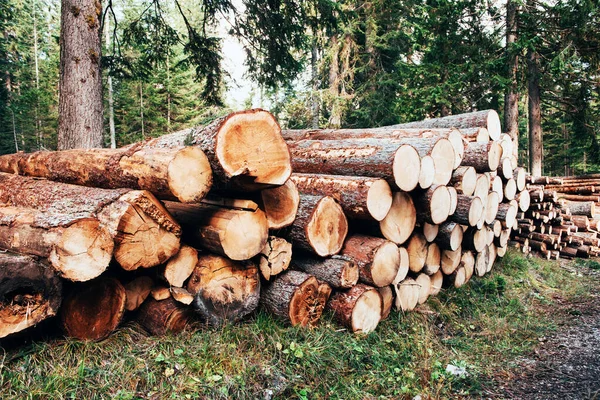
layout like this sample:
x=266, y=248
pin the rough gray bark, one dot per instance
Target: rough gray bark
x=80, y=119
x=535, y=117
x=511, y=106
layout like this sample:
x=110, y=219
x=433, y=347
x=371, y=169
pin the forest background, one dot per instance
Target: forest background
x=318, y=63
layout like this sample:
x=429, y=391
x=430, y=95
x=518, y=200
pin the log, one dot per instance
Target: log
x=496, y=185
x=358, y=309
x=505, y=170
x=137, y=291
x=450, y=236
x=224, y=290
x=482, y=188
x=507, y=212
x=576, y=197
x=468, y=211
x=454, y=136
x=78, y=249
x=501, y=251
x=450, y=260
x=182, y=296
x=424, y=283
x=437, y=280
x=483, y=157
x=467, y=261
x=378, y=260
x=453, y=199
x=320, y=226
x=387, y=301
x=433, y=205
x=586, y=208
x=179, y=268
x=480, y=135
x=404, y=266
x=478, y=119
x=417, y=252
x=296, y=297
x=524, y=200
x=164, y=316
x=245, y=149
x=510, y=189
x=159, y=293
x=581, y=222
x=338, y=271
x=427, y=173
x=475, y=239
x=395, y=162
x=275, y=257
x=519, y=175
x=496, y=227
x=430, y=231
x=481, y=261
x=360, y=197
x=93, y=310
x=508, y=147
x=491, y=208
x=433, y=261
x=491, y=257
x=457, y=278
x=144, y=233
x=30, y=292
x=407, y=294
x=237, y=234
x=181, y=173
x=280, y=204
x=464, y=179
x=400, y=221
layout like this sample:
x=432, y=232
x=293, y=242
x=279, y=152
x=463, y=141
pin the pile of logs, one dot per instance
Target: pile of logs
x=203, y=222
x=561, y=221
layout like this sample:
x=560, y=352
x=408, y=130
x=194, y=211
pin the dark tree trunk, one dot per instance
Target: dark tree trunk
x=511, y=106
x=80, y=87
x=535, y=118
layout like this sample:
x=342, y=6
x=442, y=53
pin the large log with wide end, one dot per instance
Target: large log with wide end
x=360, y=197
x=245, y=149
x=296, y=297
x=469, y=210
x=224, y=290
x=483, y=157
x=358, y=309
x=488, y=119
x=181, y=173
x=160, y=317
x=400, y=221
x=94, y=309
x=378, y=260
x=79, y=249
x=320, y=226
x=144, y=233
x=30, y=292
x=280, y=204
x=338, y=271
x=234, y=233
x=393, y=161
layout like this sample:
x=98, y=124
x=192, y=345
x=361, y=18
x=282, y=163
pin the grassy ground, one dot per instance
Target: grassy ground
x=481, y=327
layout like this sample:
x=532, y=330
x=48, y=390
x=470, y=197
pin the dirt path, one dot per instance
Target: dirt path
x=566, y=366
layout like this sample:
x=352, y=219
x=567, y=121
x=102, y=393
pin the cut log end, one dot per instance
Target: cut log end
x=164, y=316
x=181, y=266
x=406, y=168
x=427, y=174
x=245, y=236
x=379, y=199
x=367, y=312
x=137, y=291
x=440, y=204
x=308, y=302
x=83, y=251
x=407, y=294
x=458, y=144
x=494, y=156
x=400, y=222
x=327, y=228
x=493, y=125
x=475, y=211
x=275, y=257
x=252, y=150
x=281, y=204
x=444, y=157
x=94, y=310
x=190, y=175
x=385, y=264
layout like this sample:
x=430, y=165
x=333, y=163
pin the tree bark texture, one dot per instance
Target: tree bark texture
x=339, y=271
x=486, y=119
x=536, y=147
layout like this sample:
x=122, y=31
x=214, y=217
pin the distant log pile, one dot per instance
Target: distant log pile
x=202, y=224
x=561, y=221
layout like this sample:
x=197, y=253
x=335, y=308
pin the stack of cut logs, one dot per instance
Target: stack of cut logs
x=205, y=220
x=561, y=219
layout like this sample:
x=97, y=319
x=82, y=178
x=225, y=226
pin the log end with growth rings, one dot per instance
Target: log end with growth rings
x=281, y=204
x=190, y=175
x=379, y=199
x=327, y=228
x=444, y=158
x=245, y=235
x=406, y=168
x=252, y=150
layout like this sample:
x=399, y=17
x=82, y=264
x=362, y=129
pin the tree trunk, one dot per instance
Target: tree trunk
x=378, y=260
x=535, y=118
x=30, y=293
x=93, y=310
x=296, y=297
x=511, y=105
x=224, y=290
x=320, y=226
x=587, y=208
x=245, y=149
x=485, y=119
x=80, y=122
x=237, y=234
x=340, y=272
x=182, y=174
x=111, y=107
x=160, y=317
x=360, y=197
x=275, y=257
x=280, y=204
x=391, y=160
x=358, y=309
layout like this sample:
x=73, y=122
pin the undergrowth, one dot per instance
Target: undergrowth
x=481, y=327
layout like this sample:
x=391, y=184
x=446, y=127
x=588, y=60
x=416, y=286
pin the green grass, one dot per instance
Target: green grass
x=482, y=327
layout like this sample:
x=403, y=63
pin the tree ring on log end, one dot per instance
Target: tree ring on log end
x=366, y=313
x=327, y=228
x=399, y=223
x=406, y=167
x=443, y=157
x=475, y=211
x=245, y=236
x=379, y=199
x=302, y=310
x=458, y=144
x=440, y=204
x=494, y=155
x=427, y=174
x=190, y=175
x=386, y=262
